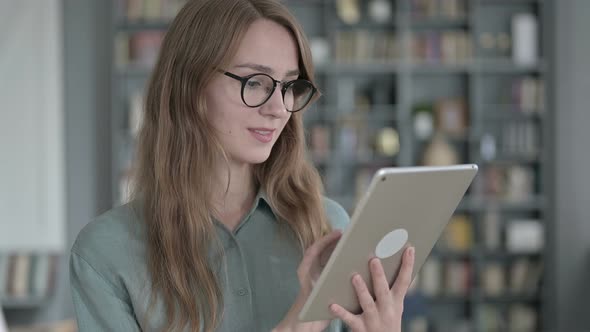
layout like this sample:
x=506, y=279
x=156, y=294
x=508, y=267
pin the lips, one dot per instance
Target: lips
x=263, y=135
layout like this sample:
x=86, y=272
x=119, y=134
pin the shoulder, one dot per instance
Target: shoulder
x=111, y=240
x=337, y=216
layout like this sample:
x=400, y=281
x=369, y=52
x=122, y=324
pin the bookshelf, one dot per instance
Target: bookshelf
x=413, y=82
x=27, y=279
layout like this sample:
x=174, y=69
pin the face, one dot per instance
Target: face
x=248, y=134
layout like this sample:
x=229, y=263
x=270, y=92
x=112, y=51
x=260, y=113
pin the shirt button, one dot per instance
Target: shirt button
x=242, y=292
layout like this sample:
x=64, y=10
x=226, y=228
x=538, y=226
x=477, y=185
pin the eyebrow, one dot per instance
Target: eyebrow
x=266, y=69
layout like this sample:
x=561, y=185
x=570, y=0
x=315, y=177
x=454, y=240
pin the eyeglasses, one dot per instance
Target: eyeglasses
x=258, y=88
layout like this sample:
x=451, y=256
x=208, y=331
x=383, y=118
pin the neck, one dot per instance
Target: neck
x=234, y=195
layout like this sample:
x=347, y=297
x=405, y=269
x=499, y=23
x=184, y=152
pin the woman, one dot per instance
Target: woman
x=228, y=222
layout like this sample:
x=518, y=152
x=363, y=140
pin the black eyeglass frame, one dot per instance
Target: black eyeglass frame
x=284, y=87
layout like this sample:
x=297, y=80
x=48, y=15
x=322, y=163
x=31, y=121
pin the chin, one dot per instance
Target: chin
x=255, y=157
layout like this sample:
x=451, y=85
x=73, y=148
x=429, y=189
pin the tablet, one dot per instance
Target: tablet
x=403, y=206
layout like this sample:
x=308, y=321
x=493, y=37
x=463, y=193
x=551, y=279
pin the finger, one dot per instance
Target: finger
x=380, y=284
x=346, y=316
x=365, y=299
x=316, y=249
x=404, y=278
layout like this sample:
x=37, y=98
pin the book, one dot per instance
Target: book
x=522, y=318
x=320, y=142
x=431, y=277
x=136, y=112
x=451, y=116
x=493, y=279
x=4, y=270
x=457, y=278
x=458, y=235
x=19, y=287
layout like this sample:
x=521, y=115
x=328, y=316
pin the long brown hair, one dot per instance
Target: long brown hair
x=178, y=149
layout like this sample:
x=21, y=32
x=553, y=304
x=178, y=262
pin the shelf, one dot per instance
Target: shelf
x=448, y=254
x=469, y=66
x=360, y=68
x=504, y=255
x=510, y=2
x=507, y=66
x=508, y=299
x=510, y=160
x=134, y=71
x=129, y=26
x=24, y=303
x=383, y=113
x=489, y=85
x=480, y=204
x=509, y=112
x=439, y=23
x=338, y=158
x=392, y=67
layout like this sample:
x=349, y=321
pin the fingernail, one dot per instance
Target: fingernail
x=412, y=252
x=356, y=278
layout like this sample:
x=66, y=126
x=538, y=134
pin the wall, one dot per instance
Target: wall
x=572, y=162
x=87, y=52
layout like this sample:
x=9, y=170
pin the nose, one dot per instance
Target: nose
x=275, y=105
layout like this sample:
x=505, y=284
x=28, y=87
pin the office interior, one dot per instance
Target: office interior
x=500, y=83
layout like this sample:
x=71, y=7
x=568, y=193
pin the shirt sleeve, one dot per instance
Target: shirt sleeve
x=99, y=305
x=337, y=216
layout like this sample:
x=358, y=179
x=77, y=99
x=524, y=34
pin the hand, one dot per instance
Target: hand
x=309, y=270
x=385, y=314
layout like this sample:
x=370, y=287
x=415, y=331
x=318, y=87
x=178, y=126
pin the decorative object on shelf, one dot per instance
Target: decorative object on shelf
x=451, y=116
x=349, y=11
x=380, y=11
x=525, y=39
x=320, y=50
x=525, y=236
x=440, y=152
x=423, y=121
x=387, y=142
x=519, y=183
x=487, y=147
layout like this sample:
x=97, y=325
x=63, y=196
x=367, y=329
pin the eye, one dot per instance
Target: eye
x=253, y=83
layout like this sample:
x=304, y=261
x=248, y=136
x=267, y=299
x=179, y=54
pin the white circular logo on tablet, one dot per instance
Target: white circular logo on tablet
x=391, y=243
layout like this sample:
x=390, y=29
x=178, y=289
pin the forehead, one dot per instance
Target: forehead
x=269, y=44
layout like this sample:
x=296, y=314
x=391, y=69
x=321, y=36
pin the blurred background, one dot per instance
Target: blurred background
x=500, y=83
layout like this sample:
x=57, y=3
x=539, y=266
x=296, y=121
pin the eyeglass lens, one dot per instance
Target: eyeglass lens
x=258, y=89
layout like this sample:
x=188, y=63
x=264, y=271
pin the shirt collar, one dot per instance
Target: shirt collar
x=262, y=198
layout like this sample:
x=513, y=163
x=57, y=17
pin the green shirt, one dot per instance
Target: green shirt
x=111, y=285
